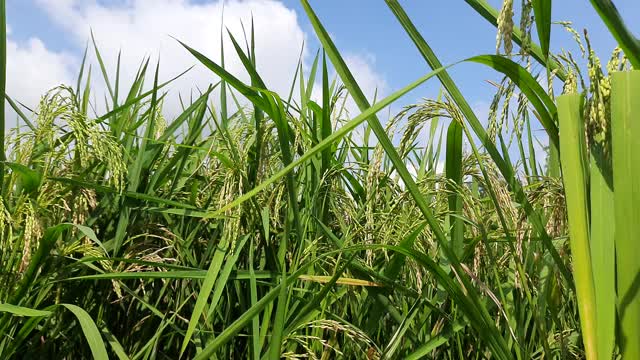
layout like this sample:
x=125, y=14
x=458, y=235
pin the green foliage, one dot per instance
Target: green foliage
x=257, y=225
x=625, y=88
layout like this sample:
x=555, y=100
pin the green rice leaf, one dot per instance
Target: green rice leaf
x=3, y=84
x=625, y=136
x=91, y=332
x=624, y=37
x=23, y=311
x=474, y=310
x=489, y=13
x=505, y=168
x=29, y=179
x=453, y=171
x=603, y=252
x=574, y=170
x=542, y=12
x=536, y=94
x=204, y=293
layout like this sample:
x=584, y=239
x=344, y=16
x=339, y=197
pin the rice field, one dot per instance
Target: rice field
x=259, y=225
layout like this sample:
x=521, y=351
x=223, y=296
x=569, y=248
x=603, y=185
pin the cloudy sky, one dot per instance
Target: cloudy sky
x=47, y=39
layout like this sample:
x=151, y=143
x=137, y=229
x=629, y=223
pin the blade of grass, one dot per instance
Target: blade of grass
x=243, y=320
x=603, y=251
x=625, y=39
x=490, y=14
x=336, y=135
x=248, y=92
x=135, y=171
x=30, y=179
x=129, y=194
x=117, y=85
x=47, y=242
x=176, y=274
x=225, y=275
x=625, y=133
x=533, y=164
x=529, y=86
x=473, y=309
x=223, y=87
x=204, y=293
x=398, y=336
x=542, y=14
x=505, y=168
x=81, y=72
x=436, y=341
x=89, y=328
x=3, y=83
x=103, y=68
x=115, y=344
x=391, y=272
x=23, y=311
x=318, y=296
x=255, y=323
x=574, y=168
x=20, y=113
x=453, y=171
x=275, y=110
x=91, y=332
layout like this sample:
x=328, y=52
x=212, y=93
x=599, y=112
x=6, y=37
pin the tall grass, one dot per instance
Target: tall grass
x=3, y=82
x=258, y=225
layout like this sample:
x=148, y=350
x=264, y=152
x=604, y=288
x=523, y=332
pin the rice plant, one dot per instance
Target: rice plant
x=258, y=225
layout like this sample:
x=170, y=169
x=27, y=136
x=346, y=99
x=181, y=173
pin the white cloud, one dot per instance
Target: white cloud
x=370, y=81
x=482, y=109
x=363, y=68
x=373, y=85
x=141, y=28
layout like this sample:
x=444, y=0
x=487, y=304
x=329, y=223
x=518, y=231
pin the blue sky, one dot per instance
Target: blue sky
x=363, y=29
